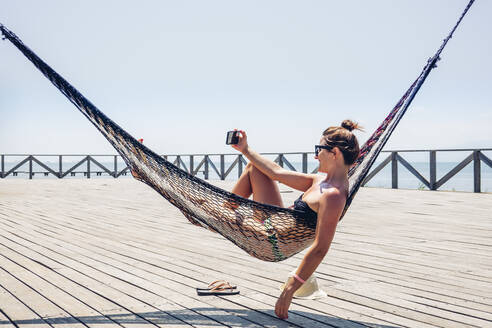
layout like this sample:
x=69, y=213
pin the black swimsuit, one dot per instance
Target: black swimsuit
x=302, y=206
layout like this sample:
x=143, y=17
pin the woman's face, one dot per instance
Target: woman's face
x=326, y=157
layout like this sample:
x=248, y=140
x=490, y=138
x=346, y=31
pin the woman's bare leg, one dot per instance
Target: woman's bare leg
x=243, y=185
x=264, y=189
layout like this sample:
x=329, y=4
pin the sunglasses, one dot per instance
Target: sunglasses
x=317, y=149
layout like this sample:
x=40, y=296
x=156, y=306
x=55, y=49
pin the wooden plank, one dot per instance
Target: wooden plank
x=170, y=284
x=77, y=309
x=234, y=270
x=396, y=306
x=413, y=274
x=18, y=312
x=42, y=306
x=116, y=312
x=426, y=269
x=349, y=273
x=250, y=281
x=140, y=298
x=469, y=315
x=4, y=320
x=146, y=311
x=176, y=297
x=88, y=306
x=389, y=265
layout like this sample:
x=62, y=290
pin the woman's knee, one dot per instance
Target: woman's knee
x=256, y=174
x=254, y=171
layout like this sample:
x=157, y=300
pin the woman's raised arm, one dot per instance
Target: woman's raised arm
x=296, y=180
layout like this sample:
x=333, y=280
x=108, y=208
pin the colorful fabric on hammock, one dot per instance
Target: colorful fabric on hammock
x=266, y=232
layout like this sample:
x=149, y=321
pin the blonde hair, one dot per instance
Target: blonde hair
x=343, y=138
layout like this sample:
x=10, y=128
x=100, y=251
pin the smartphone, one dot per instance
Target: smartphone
x=232, y=138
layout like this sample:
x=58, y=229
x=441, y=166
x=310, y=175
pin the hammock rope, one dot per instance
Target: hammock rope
x=267, y=232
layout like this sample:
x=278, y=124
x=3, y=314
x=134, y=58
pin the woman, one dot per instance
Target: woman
x=324, y=195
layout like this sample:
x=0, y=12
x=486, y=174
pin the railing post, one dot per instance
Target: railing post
x=3, y=166
x=394, y=170
x=239, y=165
x=88, y=167
x=178, y=162
x=60, y=166
x=476, y=171
x=222, y=167
x=191, y=165
x=281, y=160
x=30, y=167
x=206, y=168
x=432, y=169
x=304, y=163
x=115, y=162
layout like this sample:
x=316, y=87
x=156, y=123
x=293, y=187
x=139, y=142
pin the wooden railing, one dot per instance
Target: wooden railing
x=476, y=156
x=205, y=164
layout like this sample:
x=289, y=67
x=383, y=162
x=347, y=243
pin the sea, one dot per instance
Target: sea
x=462, y=181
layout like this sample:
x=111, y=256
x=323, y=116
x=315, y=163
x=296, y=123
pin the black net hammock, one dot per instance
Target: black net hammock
x=267, y=232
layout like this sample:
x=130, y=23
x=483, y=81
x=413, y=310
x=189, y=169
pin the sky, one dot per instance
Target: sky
x=180, y=74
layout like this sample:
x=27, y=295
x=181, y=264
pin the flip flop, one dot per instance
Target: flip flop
x=219, y=287
x=218, y=283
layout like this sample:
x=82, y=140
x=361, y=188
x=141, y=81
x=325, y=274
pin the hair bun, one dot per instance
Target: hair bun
x=350, y=125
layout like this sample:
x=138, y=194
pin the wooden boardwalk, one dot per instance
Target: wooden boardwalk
x=113, y=253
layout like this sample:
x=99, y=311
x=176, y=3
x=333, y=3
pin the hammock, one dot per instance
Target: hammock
x=267, y=232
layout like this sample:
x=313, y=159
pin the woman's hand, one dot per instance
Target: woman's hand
x=242, y=144
x=283, y=304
